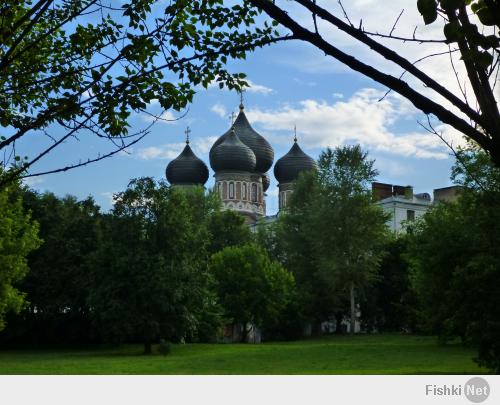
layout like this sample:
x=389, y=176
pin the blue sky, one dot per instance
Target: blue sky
x=292, y=84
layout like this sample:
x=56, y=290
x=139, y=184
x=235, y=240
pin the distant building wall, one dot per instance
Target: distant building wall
x=401, y=203
x=446, y=193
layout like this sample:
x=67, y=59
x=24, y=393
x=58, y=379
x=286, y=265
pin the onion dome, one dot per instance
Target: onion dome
x=287, y=168
x=232, y=154
x=263, y=151
x=266, y=181
x=187, y=169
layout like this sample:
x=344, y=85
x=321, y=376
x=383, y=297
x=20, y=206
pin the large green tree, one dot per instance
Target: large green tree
x=18, y=237
x=58, y=283
x=150, y=279
x=454, y=255
x=334, y=229
x=251, y=288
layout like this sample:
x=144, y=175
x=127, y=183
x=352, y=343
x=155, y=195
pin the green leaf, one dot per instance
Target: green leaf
x=428, y=10
x=486, y=16
x=451, y=4
x=484, y=59
x=453, y=31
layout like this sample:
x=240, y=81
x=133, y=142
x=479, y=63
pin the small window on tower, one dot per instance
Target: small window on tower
x=231, y=190
x=244, y=191
x=219, y=189
x=254, y=192
x=410, y=215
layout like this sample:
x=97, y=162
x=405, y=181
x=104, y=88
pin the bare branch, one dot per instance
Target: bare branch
x=396, y=22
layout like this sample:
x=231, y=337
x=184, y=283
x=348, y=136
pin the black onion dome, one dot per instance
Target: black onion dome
x=263, y=151
x=187, y=169
x=287, y=168
x=266, y=181
x=232, y=154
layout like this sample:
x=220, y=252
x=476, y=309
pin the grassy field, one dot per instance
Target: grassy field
x=372, y=354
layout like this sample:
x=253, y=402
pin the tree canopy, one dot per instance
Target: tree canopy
x=81, y=66
x=454, y=253
x=251, y=288
x=331, y=235
x=18, y=237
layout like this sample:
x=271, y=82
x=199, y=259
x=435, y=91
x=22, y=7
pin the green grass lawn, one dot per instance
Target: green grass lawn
x=368, y=354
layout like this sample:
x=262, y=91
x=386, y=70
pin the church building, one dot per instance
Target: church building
x=241, y=159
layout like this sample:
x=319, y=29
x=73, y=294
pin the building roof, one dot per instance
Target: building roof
x=187, y=169
x=262, y=150
x=288, y=168
x=232, y=154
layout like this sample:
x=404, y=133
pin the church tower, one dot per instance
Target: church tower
x=240, y=159
x=287, y=170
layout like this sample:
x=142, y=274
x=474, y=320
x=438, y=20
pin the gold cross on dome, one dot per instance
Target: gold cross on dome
x=187, y=132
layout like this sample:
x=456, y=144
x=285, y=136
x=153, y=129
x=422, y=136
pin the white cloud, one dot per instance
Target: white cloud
x=377, y=17
x=167, y=117
x=253, y=87
x=258, y=88
x=200, y=146
x=389, y=167
x=169, y=151
x=360, y=119
x=219, y=109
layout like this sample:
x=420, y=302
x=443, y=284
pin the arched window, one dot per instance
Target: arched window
x=231, y=190
x=254, y=192
x=244, y=191
x=219, y=189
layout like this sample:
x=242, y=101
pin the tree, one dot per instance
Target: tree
x=478, y=45
x=454, y=257
x=81, y=66
x=58, y=283
x=335, y=228
x=352, y=227
x=389, y=304
x=150, y=279
x=227, y=228
x=250, y=287
x=18, y=237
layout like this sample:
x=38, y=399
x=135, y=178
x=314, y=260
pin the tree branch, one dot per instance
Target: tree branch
x=421, y=102
x=388, y=54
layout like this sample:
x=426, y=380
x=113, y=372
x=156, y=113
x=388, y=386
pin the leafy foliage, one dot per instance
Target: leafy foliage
x=18, y=237
x=331, y=236
x=86, y=66
x=454, y=256
x=151, y=280
x=250, y=287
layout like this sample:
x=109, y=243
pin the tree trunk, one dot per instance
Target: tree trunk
x=353, y=310
x=244, y=333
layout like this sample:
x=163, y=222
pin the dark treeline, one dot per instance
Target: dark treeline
x=134, y=274
x=168, y=263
